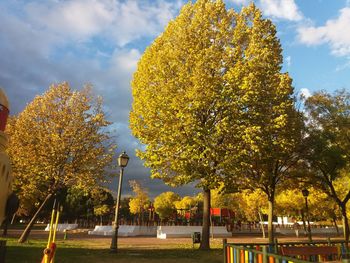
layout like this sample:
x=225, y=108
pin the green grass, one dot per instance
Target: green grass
x=86, y=251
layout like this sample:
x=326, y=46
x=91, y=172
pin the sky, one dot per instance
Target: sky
x=99, y=42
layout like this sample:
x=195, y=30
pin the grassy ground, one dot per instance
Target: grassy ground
x=86, y=251
x=83, y=248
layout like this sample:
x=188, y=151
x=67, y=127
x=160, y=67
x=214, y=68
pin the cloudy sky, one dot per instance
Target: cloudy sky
x=100, y=41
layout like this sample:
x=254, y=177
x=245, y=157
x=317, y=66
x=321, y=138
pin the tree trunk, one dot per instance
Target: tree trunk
x=27, y=230
x=270, y=231
x=5, y=226
x=262, y=224
x=345, y=223
x=206, y=220
x=335, y=224
x=303, y=219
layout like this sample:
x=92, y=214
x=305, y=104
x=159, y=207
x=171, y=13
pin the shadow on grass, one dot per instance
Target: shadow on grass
x=28, y=254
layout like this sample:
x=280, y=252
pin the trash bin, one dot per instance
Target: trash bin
x=196, y=237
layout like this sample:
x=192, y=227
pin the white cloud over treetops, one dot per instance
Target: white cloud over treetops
x=279, y=9
x=335, y=32
x=282, y=9
x=240, y=2
x=305, y=93
x=122, y=21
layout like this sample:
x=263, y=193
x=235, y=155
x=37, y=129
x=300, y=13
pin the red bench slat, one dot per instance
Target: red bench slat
x=309, y=251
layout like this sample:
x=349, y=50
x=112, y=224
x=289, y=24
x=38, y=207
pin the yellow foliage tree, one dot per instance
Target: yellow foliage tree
x=140, y=201
x=328, y=148
x=210, y=102
x=164, y=204
x=186, y=203
x=179, y=99
x=268, y=125
x=59, y=140
x=290, y=202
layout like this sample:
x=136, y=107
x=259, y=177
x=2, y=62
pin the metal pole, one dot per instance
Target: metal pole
x=308, y=221
x=114, y=243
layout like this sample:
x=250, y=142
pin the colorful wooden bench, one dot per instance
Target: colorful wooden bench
x=312, y=253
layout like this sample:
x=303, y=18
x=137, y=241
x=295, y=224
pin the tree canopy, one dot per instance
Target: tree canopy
x=139, y=202
x=209, y=102
x=328, y=147
x=59, y=140
x=164, y=204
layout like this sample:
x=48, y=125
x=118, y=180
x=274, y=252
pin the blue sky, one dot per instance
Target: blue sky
x=100, y=42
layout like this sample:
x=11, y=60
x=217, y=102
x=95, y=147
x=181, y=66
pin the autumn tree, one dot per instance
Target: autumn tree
x=139, y=201
x=186, y=203
x=77, y=204
x=267, y=123
x=164, y=204
x=253, y=205
x=102, y=201
x=59, y=140
x=328, y=144
x=179, y=99
x=210, y=102
x=323, y=208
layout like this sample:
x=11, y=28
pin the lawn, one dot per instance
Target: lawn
x=86, y=251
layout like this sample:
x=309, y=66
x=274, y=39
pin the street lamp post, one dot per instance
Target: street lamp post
x=306, y=194
x=123, y=160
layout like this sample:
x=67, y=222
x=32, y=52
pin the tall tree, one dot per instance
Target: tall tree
x=267, y=123
x=59, y=140
x=140, y=201
x=102, y=201
x=164, y=204
x=328, y=145
x=210, y=102
x=179, y=99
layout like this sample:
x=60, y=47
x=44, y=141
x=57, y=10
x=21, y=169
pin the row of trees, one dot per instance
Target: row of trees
x=98, y=206
x=248, y=206
x=211, y=106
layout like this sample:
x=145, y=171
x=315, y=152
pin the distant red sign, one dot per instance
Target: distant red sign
x=223, y=212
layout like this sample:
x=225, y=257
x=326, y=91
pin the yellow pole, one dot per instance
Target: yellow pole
x=54, y=231
x=51, y=225
x=56, y=225
x=50, y=230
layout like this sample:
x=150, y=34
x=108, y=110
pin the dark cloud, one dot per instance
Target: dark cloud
x=40, y=46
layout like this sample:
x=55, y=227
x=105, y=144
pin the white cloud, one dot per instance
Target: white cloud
x=126, y=61
x=240, y=2
x=282, y=9
x=123, y=21
x=77, y=19
x=288, y=60
x=305, y=93
x=343, y=66
x=335, y=32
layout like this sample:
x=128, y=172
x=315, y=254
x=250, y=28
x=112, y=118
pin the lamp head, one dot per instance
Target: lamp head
x=305, y=192
x=123, y=160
